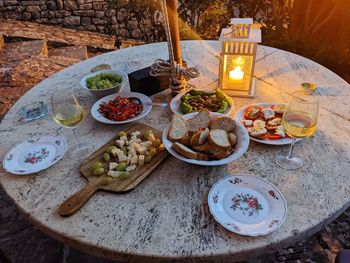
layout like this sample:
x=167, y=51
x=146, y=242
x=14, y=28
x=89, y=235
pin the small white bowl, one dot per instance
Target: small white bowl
x=104, y=92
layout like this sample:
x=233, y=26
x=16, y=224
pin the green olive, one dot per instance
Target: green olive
x=156, y=143
x=148, y=158
x=107, y=157
x=98, y=171
x=153, y=152
x=122, y=133
x=110, y=148
x=147, y=134
x=103, y=81
x=123, y=175
x=121, y=167
x=96, y=165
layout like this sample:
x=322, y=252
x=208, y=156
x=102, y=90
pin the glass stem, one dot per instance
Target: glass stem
x=290, y=153
x=76, y=135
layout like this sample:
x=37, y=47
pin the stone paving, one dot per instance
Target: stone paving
x=55, y=34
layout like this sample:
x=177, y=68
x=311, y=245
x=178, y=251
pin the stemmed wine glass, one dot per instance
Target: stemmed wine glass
x=299, y=121
x=68, y=112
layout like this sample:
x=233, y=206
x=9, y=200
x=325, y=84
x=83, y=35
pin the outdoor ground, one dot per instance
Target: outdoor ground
x=20, y=241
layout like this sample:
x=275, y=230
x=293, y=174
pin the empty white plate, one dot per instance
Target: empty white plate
x=35, y=154
x=247, y=205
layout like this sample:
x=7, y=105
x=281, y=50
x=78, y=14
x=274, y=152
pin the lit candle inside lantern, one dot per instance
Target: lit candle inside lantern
x=237, y=73
x=239, y=61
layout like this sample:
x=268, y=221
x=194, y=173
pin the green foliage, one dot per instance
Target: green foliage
x=286, y=24
x=146, y=15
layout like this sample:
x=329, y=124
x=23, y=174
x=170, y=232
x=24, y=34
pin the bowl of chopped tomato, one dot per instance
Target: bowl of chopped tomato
x=120, y=108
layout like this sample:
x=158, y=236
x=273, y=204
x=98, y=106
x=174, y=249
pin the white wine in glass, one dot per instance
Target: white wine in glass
x=299, y=121
x=68, y=112
x=69, y=116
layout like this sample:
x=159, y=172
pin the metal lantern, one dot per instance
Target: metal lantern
x=237, y=59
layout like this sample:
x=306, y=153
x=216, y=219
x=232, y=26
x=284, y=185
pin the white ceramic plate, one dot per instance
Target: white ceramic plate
x=176, y=101
x=240, y=148
x=247, y=205
x=239, y=118
x=146, y=101
x=35, y=154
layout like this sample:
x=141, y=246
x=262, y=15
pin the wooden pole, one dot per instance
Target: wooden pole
x=174, y=29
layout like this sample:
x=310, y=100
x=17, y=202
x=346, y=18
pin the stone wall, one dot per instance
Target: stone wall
x=91, y=15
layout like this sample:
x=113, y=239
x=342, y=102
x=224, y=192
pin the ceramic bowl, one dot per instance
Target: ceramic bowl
x=104, y=92
x=239, y=149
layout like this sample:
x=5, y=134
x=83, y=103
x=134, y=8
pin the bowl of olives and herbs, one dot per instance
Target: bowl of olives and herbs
x=104, y=82
x=196, y=100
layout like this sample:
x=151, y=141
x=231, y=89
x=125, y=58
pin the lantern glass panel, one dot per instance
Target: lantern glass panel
x=237, y=72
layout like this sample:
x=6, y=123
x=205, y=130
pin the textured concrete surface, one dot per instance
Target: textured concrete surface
x=21, y=242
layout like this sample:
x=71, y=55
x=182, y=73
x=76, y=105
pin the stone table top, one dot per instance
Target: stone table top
x=166, y=216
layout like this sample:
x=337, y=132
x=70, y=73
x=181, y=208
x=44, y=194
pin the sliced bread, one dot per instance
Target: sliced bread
x=232, y=138
x=188, y=153
x=219, y=138
x=200, y=137
x=202, y=120
x=178, y=128
x=186, y=140
x=223, y=123
x=220, y=154
x=203, y=148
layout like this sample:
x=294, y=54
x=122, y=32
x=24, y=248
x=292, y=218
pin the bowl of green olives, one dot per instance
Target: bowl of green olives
x=104, y=82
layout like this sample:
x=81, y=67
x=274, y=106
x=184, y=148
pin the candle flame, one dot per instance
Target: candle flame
x=237, y=73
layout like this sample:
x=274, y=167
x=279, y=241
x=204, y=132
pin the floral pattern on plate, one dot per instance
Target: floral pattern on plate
x=247, y=205
x=34, y=155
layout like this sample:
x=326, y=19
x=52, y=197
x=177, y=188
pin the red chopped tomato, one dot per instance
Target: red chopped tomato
x=252, y=112
x=121, y=109
x=273, y=136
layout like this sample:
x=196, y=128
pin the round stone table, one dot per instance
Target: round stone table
x=166, y=216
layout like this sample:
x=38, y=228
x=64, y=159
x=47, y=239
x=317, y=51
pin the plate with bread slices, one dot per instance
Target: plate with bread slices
x=205, y=138
x=263, y=122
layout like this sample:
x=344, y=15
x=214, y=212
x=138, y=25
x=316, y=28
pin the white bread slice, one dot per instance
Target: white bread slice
x=202, y=120
x=200, y=137
x=178, y=128
x=205, y=148
x=232, y=138
x=188, y=153
x=186, y=140
x=223, y=123
x=220, y=154
x=219, y=138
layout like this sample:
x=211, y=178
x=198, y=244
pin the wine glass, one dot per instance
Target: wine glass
x=68, y=112
x=299, y=121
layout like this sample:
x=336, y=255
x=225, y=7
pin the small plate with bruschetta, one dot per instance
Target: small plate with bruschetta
x=263, y=122
x=205, y=138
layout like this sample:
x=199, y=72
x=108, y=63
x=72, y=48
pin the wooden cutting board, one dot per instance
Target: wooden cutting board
x=102, y=182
